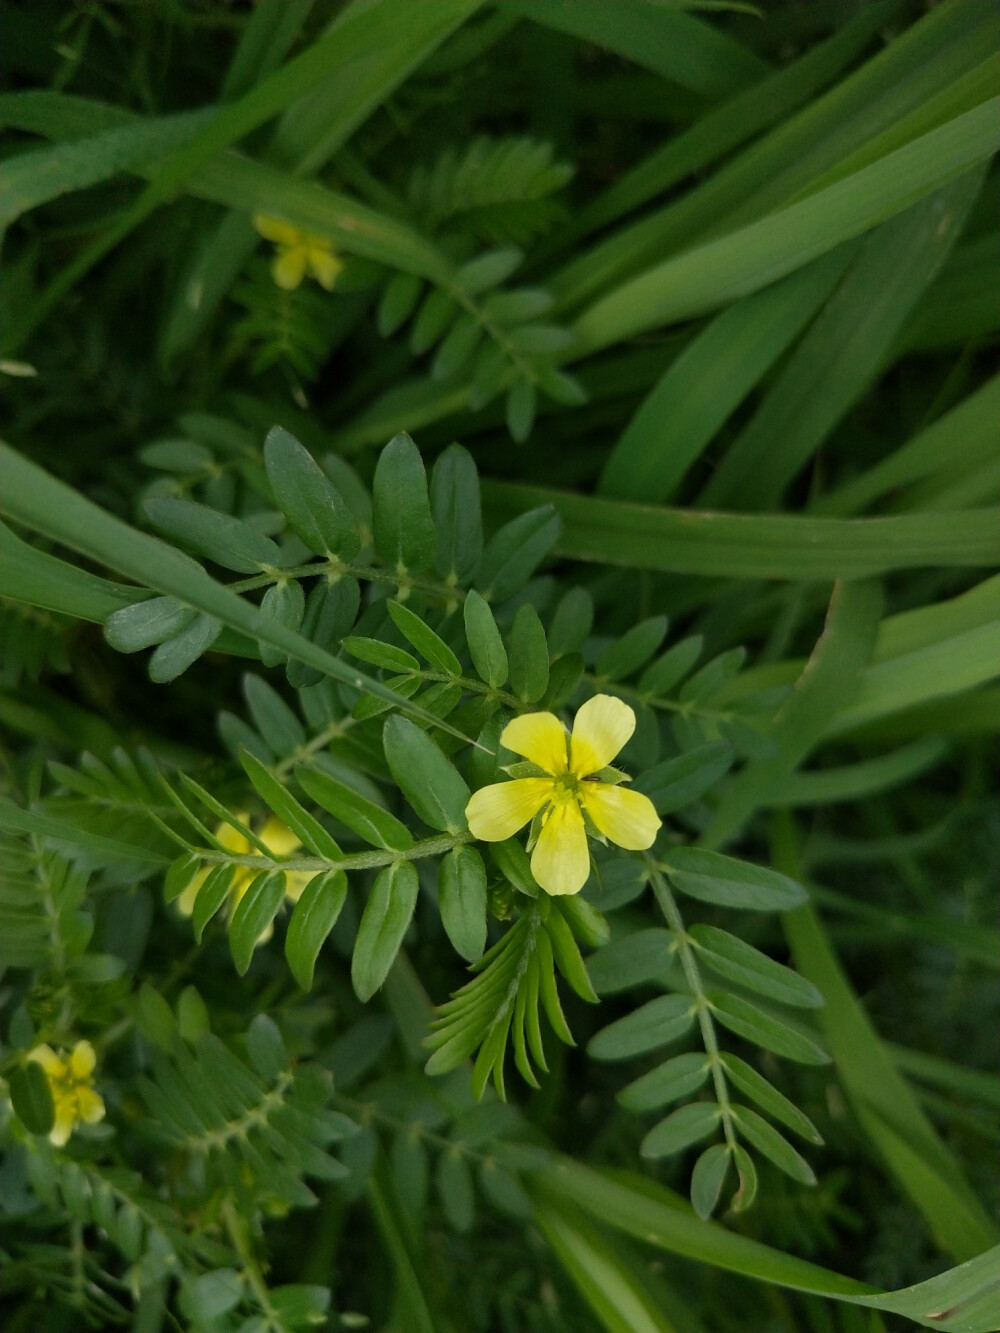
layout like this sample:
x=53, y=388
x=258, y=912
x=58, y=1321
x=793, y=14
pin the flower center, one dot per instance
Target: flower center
x=567, y=787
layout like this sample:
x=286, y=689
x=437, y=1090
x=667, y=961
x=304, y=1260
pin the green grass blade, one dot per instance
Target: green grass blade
x=753, y=256
x=660, y=38
x=843, y=352
x=710, y=378
x=931, y=56
x=617, y=1292
x=888, y=1110
x=757, y=108
x=747, y=546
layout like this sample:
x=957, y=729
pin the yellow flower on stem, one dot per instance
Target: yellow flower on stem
x=299, y=252
x=279, y=840
x=70, y=1079
x=567, y=788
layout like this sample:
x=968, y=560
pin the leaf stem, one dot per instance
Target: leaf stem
x=359, y=861
x=692, y=975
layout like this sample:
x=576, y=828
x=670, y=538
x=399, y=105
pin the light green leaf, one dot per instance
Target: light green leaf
x=723, y=880
x=404, y=531
x=457, y=512
x=314, y=916
x=312, y=504
x=368, y=820
x=489, y=656
x=738, y=961
x=226, y=540
x=687, y=1125
x=429, y=781
x=653, y=1025
x=305, y=826
x=753, y=1023
x=384, y=921
x=423, y=638
x=462, y=901
x=529, y=655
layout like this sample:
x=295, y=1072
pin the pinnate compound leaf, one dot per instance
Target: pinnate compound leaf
x=228, y=541
x=363, y=817
x=653, y=1025
x=457, y=510
x=753, y=1023
x=254, y=914
x=462, y=901
x=401, y=513
x=727, y=882
x=489, y=656
x=312, y=504
x=420, y=635
x=687, y=1125
x=384, y=921
x=315, y=915
x=427, y=778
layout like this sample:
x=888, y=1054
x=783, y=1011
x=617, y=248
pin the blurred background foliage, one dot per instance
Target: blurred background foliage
x=712, y=292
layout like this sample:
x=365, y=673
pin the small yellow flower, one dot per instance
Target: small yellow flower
x=299, y=252
x=565, y=792
x=70, y=1079
x=279, y=840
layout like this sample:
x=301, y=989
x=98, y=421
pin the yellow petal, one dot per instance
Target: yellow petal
x=295, y=883
x=90, y=1104
x=65, y=1120
x=82, y=1061
x=289, y=267
x=540, y=737
x=561, y=861
x=324, y=266
x=273, y=230
x=185, y=903
x=601, y=728
x=231, y=839
x=45, y=1056
x=626, y=817
x=497, y=812
x=278, y=838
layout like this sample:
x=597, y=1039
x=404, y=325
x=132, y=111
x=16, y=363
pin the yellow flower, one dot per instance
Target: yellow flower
x=299, y=252
x=565, y=791
x=70, y=1079
x=279, y=840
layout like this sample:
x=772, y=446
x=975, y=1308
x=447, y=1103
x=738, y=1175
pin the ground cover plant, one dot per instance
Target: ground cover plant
x=498, y=666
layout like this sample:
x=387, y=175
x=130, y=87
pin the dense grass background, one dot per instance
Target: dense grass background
x=720, y=287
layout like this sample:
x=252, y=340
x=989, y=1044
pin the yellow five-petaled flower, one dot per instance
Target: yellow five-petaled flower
x=71, y=1083
x=567, y=789
x=299, y=252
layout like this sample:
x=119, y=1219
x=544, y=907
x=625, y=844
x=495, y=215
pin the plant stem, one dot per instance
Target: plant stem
x=692, y=975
